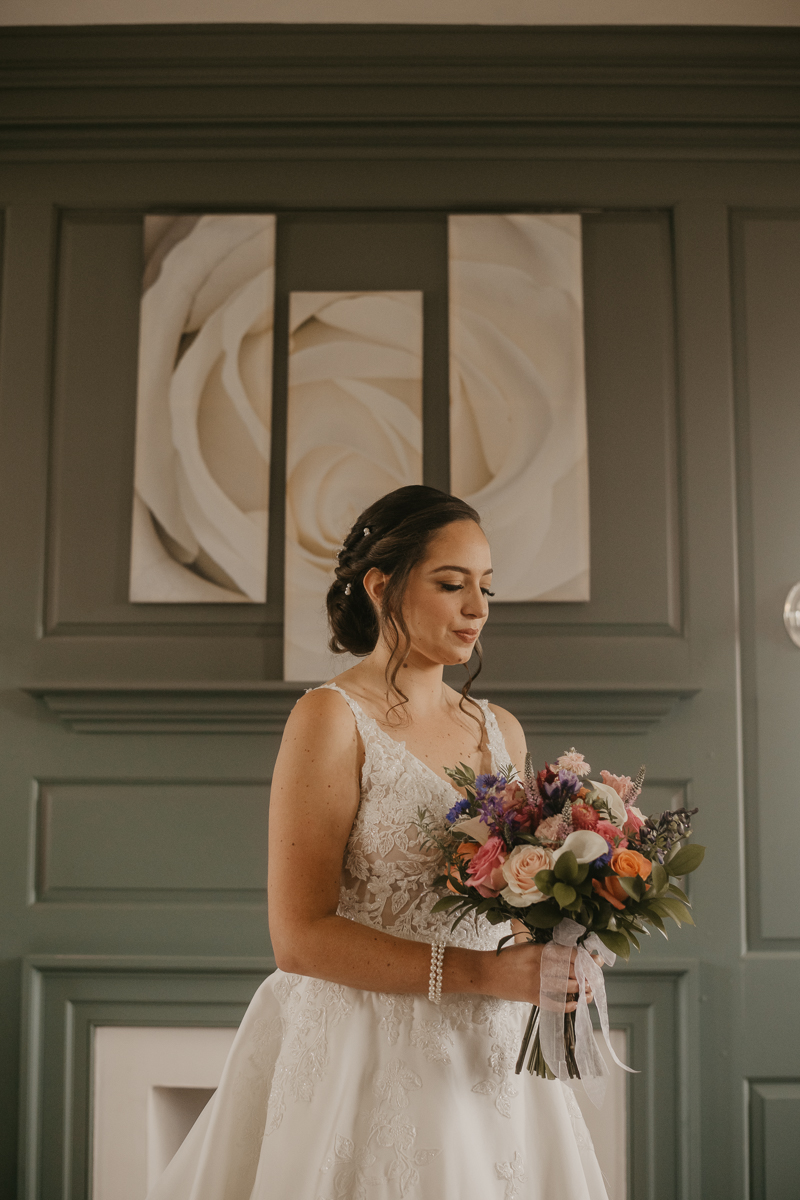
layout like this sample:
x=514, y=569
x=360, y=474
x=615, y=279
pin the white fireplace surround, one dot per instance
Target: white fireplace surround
x=152, y=1082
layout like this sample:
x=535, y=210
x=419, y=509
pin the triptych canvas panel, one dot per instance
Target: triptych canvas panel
x=518, y=448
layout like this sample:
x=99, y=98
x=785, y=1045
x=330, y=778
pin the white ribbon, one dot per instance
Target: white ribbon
x=556, y=958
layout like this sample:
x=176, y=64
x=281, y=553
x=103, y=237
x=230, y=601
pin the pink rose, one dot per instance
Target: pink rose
x=612, y=834
x=520, y=870
x=485, y=869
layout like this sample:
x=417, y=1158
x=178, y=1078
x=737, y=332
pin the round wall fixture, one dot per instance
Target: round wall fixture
x=791, y=614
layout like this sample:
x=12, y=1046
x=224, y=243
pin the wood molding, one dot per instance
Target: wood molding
x=263, y=707
x=404, y=91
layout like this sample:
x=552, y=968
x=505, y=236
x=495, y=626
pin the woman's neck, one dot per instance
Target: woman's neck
x=418, y=678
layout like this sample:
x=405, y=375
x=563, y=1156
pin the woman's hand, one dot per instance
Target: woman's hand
x=515, y=974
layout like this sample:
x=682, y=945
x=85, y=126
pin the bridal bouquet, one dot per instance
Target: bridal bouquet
x=577, y=863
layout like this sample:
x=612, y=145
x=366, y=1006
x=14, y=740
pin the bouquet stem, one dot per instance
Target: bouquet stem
x=536, y=1061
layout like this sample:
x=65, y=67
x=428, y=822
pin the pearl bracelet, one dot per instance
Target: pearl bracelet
x=437, y=958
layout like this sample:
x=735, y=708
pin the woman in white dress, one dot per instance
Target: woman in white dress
x=358, y=1072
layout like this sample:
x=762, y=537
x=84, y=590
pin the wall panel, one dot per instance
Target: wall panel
x=766, y=264
x=114, y=842
x=774, y=1152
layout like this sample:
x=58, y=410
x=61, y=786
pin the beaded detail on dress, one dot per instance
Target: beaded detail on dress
x=387, y=876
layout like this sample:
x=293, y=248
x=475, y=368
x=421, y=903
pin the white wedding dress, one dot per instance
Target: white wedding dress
x=332, y=1093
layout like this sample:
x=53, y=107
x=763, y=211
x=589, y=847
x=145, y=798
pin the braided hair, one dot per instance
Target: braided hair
x=392, y=535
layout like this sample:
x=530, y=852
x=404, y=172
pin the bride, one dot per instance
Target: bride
x=368, y=1066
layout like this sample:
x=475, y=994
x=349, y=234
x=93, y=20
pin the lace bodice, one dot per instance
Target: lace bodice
x=387, y=875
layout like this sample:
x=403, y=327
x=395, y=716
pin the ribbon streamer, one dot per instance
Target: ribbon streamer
x=556, y=958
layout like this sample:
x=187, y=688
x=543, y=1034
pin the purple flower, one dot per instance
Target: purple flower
x=459, y=808
x=604, y=859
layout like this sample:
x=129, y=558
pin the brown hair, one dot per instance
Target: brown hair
x=393, y=535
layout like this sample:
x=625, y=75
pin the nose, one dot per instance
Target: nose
x=475, y=603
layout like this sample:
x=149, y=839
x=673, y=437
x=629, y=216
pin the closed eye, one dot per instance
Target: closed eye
x=459, y=587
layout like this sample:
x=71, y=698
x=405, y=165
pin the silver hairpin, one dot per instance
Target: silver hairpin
x=366, y=531
x=347, y=590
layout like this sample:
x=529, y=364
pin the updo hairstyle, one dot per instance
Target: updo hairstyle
x=392, y=535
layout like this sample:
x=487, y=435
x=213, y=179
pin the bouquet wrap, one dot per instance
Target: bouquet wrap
x=556, y=958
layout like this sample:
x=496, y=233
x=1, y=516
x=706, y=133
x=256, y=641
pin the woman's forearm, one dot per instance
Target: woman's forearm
x=346, y=952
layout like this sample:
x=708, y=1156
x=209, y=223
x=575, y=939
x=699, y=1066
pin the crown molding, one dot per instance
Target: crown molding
x=294, y=91
x=263, y=707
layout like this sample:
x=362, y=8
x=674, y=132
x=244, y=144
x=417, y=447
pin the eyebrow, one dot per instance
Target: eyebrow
x=462, y=570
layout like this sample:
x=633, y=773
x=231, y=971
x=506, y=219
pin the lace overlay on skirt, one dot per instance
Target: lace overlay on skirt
x=335, y=1093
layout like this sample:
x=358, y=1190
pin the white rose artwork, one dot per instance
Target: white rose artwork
x=354, y=433
x=204, y=410
x=518, y=445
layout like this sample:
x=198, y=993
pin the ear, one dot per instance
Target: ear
x=375, y=585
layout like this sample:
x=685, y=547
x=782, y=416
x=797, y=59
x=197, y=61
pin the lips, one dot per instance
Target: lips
x=467, y=635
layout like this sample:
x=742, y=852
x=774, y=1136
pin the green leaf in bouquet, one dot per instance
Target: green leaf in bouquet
x=496, y=916
x=617, y=943
x=566, y=868
x=509, y=937
x=446, y=902
x=674, y=890
x=564, y=894
x=632, y=937
x=544, y=881
x=654, y=918
x=686, y=860
x=544, y=915
x=659, y=880
x=668, y=906
x=633, y=885
x=583, y=872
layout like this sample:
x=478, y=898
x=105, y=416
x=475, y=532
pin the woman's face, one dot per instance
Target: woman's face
x=445, y=603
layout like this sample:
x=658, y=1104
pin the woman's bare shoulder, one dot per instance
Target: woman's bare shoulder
x=324, y=713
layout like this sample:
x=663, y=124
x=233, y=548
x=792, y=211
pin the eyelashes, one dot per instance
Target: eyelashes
x=459, y=587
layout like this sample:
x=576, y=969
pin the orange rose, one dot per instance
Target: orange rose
x=610, y=889
x=466, y=852
x=631, y=862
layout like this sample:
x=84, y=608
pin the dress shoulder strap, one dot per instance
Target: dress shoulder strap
x=494, y=735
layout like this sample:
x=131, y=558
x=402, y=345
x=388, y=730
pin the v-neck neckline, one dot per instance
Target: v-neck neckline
x=402, y=745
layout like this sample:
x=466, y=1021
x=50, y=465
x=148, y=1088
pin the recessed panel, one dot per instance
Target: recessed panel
x=159, y=842
x=767, y=285
x=631, y=409
x=100, y=271
x=774, y=1145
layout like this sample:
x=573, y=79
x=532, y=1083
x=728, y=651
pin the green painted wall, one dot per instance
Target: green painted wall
x=138, y=741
